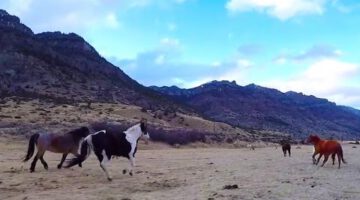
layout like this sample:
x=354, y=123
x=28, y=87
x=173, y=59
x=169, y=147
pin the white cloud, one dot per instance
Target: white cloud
x=170, y=45
x=316, y=52
x=244, y=63
x=66, y=15
x=216, y=64
x=170, y=42
x=280, y=60
x=18, y=6
x=77, y=16
x=327, y=78
x=281, y=9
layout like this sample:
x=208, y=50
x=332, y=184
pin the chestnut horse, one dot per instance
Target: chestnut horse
x=326, y=148
x=65, y=144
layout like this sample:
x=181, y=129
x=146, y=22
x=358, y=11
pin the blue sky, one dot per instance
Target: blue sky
x=308, y=46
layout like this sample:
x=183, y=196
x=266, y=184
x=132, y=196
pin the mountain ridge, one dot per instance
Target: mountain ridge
x=64, y=67
x=262, y=108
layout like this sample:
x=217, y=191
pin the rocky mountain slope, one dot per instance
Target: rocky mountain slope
x=53, y=81
x=263, y=108
x=64, y=67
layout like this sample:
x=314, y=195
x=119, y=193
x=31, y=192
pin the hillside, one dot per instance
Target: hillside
x=54, y=81
x=263, y=108
x=65, y=68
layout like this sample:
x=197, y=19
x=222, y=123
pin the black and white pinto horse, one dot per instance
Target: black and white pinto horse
x=107, y=144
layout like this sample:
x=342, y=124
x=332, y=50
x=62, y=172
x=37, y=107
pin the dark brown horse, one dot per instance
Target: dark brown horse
x=286, y=147
x=65, y=144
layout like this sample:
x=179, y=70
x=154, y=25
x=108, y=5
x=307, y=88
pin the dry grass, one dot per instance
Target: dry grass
x=55, y=116
x=169, y=173
x=28, y=117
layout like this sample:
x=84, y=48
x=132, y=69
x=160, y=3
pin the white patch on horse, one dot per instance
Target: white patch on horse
x=132, y=136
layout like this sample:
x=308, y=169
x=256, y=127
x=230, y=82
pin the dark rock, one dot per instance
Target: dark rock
x=231, y=187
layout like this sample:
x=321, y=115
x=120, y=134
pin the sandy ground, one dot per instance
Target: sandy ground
x=183, y=174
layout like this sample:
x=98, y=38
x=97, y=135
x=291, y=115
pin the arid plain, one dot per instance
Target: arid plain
x=183, y=173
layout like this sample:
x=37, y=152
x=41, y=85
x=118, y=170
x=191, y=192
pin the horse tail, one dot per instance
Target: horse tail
x=31, y=147
x=85, y=150
x=342, y=155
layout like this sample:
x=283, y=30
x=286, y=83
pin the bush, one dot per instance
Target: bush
x=173, y=137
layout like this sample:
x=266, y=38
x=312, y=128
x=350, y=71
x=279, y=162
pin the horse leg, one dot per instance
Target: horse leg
x=132, y=165
x=33, y=163
x=289, y=152
x=333, y=158
x=62, y=160
x=104, y=159
x=339, y=159
x=318, y=160
x=313, y=157
x=325, y=160
x=75, y=153
x=43, y=161
x=284, y=151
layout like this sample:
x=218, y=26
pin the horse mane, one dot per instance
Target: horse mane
x=77, y=134
x=315, y=138
x=78, y=131
x=110, y=128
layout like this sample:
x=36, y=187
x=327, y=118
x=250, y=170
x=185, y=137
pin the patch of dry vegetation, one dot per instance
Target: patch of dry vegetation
x=25, y=117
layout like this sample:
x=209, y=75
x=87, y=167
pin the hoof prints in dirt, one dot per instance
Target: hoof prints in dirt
x=159, y=185
x=164, y=184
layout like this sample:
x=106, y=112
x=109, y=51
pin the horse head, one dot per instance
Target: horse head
x=143, y=127
x=313, y=139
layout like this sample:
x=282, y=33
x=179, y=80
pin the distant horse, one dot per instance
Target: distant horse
x=326, y=148
x=250, y=146
x=286, y=147
x=107, y=144
x=65, y=144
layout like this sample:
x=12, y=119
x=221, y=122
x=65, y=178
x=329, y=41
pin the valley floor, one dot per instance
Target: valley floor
x=183, y=174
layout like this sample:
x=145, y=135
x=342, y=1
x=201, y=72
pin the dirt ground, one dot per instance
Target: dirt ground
x=169, y=173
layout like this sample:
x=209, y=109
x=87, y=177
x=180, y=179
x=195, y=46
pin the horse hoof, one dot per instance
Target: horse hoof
x=59, y=166
x=124, y=171
x=46, y=167
x=109, y=179
x=31, y=170
x=130, y=173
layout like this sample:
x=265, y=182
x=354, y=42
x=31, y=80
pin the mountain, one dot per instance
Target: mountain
x=352, y=110
x=261, y=108
x=64, y=67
